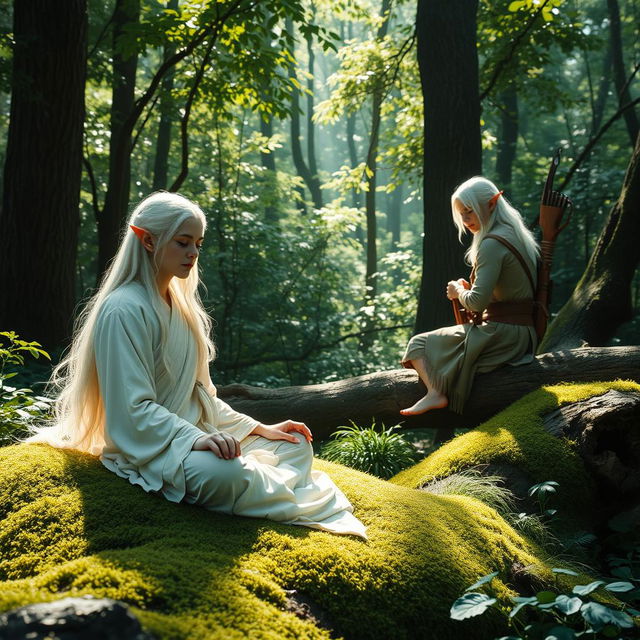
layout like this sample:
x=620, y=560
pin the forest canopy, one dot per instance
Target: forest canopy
x=313, y=138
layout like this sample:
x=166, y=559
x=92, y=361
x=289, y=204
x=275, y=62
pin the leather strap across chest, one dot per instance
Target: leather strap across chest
x=518, y=255
x=511, y=311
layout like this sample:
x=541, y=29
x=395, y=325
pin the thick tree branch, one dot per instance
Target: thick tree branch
x=184, y=121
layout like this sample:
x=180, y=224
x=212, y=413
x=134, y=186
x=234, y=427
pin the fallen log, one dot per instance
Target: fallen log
x=380, y=396
x=606, y=433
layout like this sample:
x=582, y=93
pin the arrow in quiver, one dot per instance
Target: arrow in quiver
x=553, y=206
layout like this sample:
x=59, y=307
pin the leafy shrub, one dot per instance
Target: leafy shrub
x=553, y=614
x=18, y=407
x=379, y=452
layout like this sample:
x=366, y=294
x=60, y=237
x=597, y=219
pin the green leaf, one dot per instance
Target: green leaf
x=597, y=615
x=622, y=572
x=566, y=572
x=545, y=597
x=522, y=602
x=568, y=605
x=585, y=589
x=517, y=4
x=488, y=578
x=560, y=633
x=470, y=605
x=619, y=587
x=543, y=487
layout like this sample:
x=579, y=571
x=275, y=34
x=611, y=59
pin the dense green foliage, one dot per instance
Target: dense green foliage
x=376, y=450
x=284, y=281
x=18, y=405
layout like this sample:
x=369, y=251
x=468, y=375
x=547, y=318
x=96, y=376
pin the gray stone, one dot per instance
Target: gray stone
x=85, y=618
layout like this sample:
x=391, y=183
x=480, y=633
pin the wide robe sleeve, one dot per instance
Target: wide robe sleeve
x=227, y=419
x=488, y=267
x=136, y=424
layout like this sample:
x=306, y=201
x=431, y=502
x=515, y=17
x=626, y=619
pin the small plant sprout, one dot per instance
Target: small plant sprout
x=542, y=492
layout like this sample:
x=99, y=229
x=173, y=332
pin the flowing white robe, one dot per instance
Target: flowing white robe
x=155, y=413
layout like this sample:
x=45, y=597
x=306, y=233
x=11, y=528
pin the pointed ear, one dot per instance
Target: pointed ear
x=144, y=236
x=494, y=201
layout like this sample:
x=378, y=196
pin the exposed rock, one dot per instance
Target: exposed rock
x=85, y=618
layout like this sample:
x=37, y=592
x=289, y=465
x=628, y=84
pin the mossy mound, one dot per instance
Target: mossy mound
x=516, y=438
x=70, y=527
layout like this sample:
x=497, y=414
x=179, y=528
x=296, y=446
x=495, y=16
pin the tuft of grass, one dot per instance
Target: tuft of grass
x=472, y=483
x=381, y=453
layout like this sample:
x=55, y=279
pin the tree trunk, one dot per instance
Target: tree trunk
x=356, y=196
x=619, y=71
x=508, y=137
x=380, y=396
x=601, y=300
x=600, y=101
x=311, y=132
x=448, y=62
x=312, y=182
x=269, y=163
x=394, y=214
x=163, y=141
x=113, y=214
x=372, y=178
x=42, y=172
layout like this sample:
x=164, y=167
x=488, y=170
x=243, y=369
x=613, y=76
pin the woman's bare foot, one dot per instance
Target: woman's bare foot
x=433, y=400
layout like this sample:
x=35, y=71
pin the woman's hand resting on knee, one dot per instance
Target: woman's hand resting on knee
x=222, y=444
x=282, y=431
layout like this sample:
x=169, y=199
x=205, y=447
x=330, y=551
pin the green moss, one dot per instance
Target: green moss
x=516, y=437
x=68, y=527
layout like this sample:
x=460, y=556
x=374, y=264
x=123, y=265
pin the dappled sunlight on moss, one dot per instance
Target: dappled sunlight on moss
x=190, y=573
x=516, y=437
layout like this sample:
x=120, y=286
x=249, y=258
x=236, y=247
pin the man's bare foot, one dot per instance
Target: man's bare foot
x=433, y=400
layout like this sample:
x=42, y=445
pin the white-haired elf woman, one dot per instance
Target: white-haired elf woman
x=503, y=253
x=136, y=390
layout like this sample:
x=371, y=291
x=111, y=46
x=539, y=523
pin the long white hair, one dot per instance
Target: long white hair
x=475, y=194
x=78, y=420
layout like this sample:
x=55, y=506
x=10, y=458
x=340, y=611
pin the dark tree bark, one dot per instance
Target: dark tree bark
x=311, y=181
x=380, y=396
x=372, y=177
x=619, y=72
x=163, y=141
x=448, y=61
x=507, y=138
x=601, y=300
x=606, y=433
x=42, y=172
x=126, y=14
